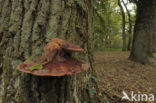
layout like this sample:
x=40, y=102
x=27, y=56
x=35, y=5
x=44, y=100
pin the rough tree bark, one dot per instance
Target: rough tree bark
x=130, y=27
x=154, y=31
x=25, y=28
x=154, y=43
x=124, y=48
x=144, y=31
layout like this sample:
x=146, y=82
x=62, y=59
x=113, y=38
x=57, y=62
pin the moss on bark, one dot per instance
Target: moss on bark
x=25, y=28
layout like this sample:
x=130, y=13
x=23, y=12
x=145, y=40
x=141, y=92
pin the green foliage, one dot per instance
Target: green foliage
x=29, y=58
x=107, y=101
x=95, y=79
x=91, y=89
x=36, y=67
x=108, y=24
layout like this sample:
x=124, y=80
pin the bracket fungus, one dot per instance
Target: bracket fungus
x=55, y=61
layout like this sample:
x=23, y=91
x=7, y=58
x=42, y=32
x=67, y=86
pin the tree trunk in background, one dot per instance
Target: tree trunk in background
x=124, y=48
x=153, y=47
x=130, y=27
x=25, y=28
x=154, y=44
x=144, y=31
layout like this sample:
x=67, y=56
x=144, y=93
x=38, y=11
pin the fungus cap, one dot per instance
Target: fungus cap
x=56, y=68
x=53, y=62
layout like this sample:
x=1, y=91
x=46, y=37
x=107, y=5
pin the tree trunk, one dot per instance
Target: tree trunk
x=123, y=26
x=154, y=44
x=25, y=28
x=144, y=31
x=130, y=27
x=153, y=47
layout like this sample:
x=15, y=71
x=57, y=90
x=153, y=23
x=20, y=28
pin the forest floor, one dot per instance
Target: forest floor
x=116, y=73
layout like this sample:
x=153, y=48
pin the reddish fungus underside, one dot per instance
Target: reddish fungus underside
x=53, y=62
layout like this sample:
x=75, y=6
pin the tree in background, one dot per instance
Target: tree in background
x=129, y=26
x=107, y=23
x=154, y=44
x=110, y=28
x=25, y=28
x=124, y=47
x=144, y=31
